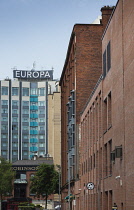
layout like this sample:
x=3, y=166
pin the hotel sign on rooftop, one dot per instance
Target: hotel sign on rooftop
x=22, y=74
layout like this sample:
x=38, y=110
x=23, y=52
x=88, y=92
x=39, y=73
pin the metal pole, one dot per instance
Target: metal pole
x=69, y=180
x=59, y=185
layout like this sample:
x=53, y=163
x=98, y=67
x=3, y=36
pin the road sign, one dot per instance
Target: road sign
x=90, y=186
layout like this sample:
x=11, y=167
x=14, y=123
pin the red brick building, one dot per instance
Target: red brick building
x=107, y=131
x=82, y=69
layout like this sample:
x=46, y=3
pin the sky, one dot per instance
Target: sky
x=38, y=31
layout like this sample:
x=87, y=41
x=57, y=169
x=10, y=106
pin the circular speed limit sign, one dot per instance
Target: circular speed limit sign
x=90, y=186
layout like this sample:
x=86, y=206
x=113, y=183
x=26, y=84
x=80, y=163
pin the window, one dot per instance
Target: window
x=4, y=127
x=4, y=102
x=15, y=144
x=25, y=153
x=4, y=144
x=25, y=119
x=42, y=111
x=15, y=119
x=42, y=120
x=25, y=144
x=4, y=91
x=104, y=63
x=15, y=103
x=25, y=128
x=15, y=136
x=4, y=153
x=14, y=127
x=15, y=152
x=42, y=137
x=33, y=91
x=15, y=111
x=25, y=103
x=41, y=145
x=42, y=128
x=107, y=59
x=25, y=137
x=41, y=91
x=41, y=103
x=25, y=111
x=105, y=115
x=25, y=91
x=109, y=111
x=4, y=136
x=41, y=153
x=4, y=111
x=4, y=119
x=15, y=91
x=108, y=56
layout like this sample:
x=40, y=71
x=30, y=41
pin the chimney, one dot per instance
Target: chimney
x=106, y=13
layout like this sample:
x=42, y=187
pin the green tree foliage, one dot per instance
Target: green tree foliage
x=44, y=182
x=6, y=178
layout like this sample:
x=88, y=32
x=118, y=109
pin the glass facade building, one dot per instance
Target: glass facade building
x=24, y=114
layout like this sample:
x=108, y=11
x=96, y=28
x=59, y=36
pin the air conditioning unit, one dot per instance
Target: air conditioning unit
x=118, y=151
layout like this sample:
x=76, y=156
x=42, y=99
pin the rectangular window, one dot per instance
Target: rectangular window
x=15, y=103
x=104, y=64
x=109, y=110
x=25, y=144
x=25, y=120
x=42, y=137
x=4, y=111
x=25, y=91
x=15, y=119
x=15, y=152
x=25, y=153
x=25, y=111
x=25, y=103
x=15, y=144
x=25, y=136
x=42, y=111
x=108, y=57
x=4, y=144
x=4, y=153
x=42, y=120
x=25, y=128
x=41, y=91
x=42, y=128
x=4, y=136
x=105, y=116
x=4, y=91
x=14, y=127
x=41, y=145
x=15, y=136
x=4, y=102
x=41, y=103
x=4, y=127
x=15, y=91
x=15, y=111
x=4, y=119
x=33, y=91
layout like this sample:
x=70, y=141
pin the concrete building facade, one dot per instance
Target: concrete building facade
x=24, y=112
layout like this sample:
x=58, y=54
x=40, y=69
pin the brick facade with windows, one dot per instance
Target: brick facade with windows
x=106, y=153
x=82, y=69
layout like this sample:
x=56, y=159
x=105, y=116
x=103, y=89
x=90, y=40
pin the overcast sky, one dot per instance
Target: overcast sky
x=39, y=31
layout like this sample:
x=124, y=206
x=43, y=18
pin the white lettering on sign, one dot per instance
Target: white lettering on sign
x=33, y=74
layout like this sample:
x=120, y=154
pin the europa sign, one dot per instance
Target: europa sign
x=33, y=74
